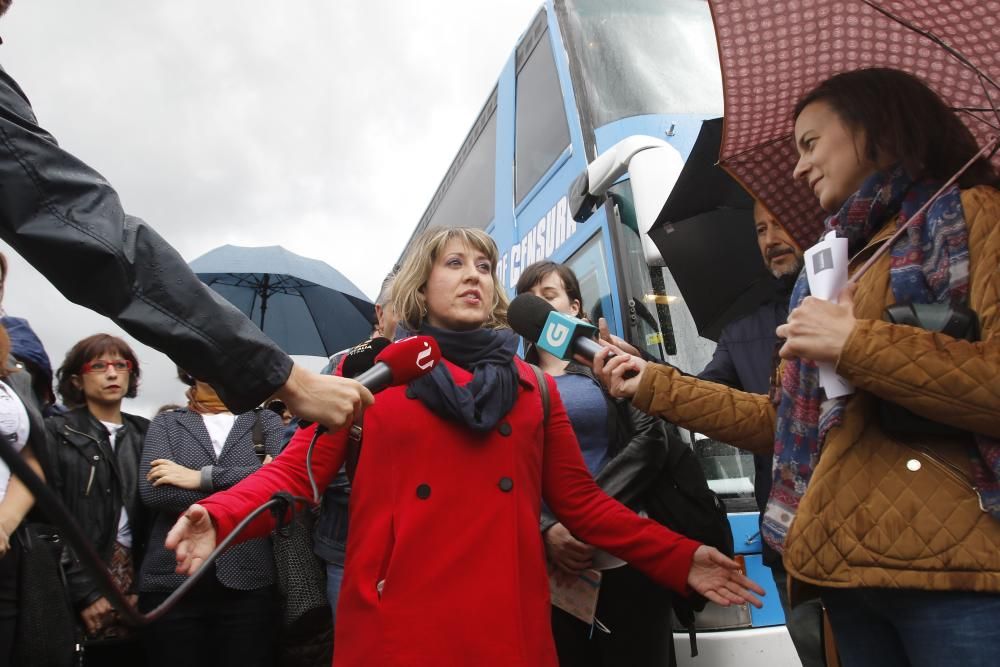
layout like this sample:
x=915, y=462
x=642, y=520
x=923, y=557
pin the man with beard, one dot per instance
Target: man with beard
x=745, y=359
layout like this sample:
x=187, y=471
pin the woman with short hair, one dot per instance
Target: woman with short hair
x=92, y=462
x=625, y=450
x=445, y=562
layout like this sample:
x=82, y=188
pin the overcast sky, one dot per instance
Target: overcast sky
x=321, y=126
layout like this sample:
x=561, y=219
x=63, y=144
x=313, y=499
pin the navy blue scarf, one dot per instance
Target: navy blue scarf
x=489, y=355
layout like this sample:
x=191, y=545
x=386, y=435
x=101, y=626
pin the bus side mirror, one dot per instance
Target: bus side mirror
x=582, y=204
x=653, y=166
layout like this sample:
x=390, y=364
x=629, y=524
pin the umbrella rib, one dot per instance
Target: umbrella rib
x=934, y=38
x=754, y=148
x=989, y=99
x=972, y=113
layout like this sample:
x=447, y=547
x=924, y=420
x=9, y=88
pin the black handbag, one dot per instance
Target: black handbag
x=46, y=622
x=306, y=618
x=959, y=322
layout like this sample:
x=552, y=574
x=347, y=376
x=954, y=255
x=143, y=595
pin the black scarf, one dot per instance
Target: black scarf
x=489, y=396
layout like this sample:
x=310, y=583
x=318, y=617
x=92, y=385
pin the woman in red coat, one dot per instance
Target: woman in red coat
x=445, y=565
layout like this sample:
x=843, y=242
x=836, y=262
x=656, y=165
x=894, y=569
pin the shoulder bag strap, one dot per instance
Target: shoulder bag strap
x=543, y=389
x=257, y=435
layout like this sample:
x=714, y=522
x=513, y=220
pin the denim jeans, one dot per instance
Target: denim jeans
x=334, y=578
x=910, y=628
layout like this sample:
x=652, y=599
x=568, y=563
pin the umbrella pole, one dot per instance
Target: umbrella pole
x=265, y=284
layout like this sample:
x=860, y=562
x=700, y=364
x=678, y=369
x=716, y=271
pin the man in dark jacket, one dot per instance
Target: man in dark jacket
x=68, y=222
x=745, y=359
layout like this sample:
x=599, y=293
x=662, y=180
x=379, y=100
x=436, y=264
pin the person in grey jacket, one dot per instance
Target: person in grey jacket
x=625, y=449
x=67, y=221
x=229, y=617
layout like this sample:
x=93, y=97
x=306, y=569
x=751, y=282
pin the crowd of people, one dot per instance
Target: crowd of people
x=476, y=488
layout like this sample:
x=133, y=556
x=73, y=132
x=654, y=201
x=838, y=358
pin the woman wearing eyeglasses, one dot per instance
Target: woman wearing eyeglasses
x=92, y=461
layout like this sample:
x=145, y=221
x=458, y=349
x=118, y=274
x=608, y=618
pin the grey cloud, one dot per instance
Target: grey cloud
x=321, y=126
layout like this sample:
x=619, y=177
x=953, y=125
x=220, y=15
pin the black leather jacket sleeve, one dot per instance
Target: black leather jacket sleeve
x=68, y=222
x=627, y=475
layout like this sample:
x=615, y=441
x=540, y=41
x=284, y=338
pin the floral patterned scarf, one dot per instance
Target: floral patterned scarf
x=929, y=264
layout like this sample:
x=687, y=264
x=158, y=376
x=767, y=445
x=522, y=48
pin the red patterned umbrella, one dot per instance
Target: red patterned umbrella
x=774, y=51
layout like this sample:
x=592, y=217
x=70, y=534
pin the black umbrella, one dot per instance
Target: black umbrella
x=705, y=234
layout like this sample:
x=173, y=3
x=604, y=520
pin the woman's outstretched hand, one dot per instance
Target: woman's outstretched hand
x=192, y=539
x=719, y=579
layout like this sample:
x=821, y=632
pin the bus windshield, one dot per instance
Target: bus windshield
x=645, y=57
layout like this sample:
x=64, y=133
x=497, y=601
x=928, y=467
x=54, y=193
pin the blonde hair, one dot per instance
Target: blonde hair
x=407, y=288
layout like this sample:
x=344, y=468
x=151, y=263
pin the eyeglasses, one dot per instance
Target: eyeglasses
x=101, y=365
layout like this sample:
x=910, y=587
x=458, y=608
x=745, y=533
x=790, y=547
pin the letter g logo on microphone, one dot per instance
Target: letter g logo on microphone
x=556, y=334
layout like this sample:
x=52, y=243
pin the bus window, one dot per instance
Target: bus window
x=590, y=263
x=541, y=133
x=468, y=200
x=730, y=473
x=645, y=56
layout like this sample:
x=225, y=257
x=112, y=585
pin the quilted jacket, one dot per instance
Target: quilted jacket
x=881, y=511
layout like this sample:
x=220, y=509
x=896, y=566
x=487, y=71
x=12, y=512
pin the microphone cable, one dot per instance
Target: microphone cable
x=280, y=504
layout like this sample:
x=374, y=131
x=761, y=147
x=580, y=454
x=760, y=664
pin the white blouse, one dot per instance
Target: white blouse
x=14, y=428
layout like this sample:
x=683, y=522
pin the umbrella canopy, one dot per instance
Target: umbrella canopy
x=774, y=51
x=304, y=305
x=705, y=234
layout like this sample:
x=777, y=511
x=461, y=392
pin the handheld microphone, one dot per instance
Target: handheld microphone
x=558, y=334
x=379, y=363
x=362, y=357
x=401, y=362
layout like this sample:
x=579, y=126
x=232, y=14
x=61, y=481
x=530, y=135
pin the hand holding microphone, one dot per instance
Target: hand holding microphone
x=567, y=337
x=377, y=364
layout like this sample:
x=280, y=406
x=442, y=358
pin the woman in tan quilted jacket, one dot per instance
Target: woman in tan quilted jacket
x=896, y=528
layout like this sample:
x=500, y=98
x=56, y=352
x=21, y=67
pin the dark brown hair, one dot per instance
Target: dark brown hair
x=536, y=273
x=902, y=118
x=88, y=349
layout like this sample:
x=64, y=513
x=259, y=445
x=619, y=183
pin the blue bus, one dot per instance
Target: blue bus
x=611, y=94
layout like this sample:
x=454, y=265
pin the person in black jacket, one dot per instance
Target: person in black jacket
x=67, y=221
x=624, y=449
x=745, y=359
x=22, y=428
x=91, y=459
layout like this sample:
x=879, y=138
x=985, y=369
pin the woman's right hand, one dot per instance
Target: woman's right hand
x=565, y=551
x=97, y=615
x=611, y=372
x=192, y=539
x=568, y=556
x=720, y=579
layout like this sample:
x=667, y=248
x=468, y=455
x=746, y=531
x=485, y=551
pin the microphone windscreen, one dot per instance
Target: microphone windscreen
x=527, y=314
x=410, y=358
x=362, y=357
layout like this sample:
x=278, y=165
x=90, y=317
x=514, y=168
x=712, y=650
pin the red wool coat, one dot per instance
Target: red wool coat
x=445, y=563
